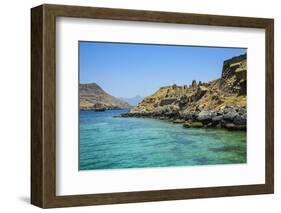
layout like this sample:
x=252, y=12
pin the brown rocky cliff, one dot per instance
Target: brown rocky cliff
x=215, y=98
x=93, y=97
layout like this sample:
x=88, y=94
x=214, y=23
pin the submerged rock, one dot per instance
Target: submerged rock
x=178, y=121
x=186, y=125
x=232, y=127
x=193, y=125
x=196, y=125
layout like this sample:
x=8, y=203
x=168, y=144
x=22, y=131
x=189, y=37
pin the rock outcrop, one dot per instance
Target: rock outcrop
x=217, y=103
x=93, y=97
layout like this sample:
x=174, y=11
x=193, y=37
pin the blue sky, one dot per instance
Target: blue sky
x=126, y=70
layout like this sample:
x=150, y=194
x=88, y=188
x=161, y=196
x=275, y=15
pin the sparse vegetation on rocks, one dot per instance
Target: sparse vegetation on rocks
x=218, y=103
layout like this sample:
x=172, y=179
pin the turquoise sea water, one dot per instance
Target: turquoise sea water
x=113, y=143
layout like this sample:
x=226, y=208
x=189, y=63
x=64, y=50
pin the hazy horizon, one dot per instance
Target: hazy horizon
x=129, y=70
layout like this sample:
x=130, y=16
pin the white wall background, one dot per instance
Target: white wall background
x=15, y=105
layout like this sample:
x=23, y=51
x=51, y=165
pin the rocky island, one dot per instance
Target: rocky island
x=93, y=97
x=219, y=103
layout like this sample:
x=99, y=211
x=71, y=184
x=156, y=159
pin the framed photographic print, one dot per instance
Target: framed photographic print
x=136, y=106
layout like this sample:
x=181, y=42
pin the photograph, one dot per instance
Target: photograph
x=150, y=105
x=140, y=105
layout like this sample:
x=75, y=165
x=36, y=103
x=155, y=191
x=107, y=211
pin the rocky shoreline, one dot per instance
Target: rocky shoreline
x=219, y=103
x=228, y=118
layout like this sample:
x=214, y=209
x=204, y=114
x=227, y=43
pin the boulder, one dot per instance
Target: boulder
x=205, y=116
x=217, y=119
x=178, y=121
x=220, y=112
x=165, y=110
x=196, y=125
x=187, y=115
x=193, y=125
x=186, y=125
x=211, y=124
x=159, y=110
x=240, y=119
x=233, y=127
x=230, y=115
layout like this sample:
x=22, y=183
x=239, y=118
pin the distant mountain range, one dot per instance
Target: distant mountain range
x=134, y=101
x=93, y=97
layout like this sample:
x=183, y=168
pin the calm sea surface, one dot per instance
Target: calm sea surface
x=111, y=143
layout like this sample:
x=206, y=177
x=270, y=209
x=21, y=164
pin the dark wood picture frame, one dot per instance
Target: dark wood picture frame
x=43, y=105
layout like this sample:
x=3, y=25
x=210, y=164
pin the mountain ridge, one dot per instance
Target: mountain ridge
x=133, y=101
x=93, y=97
x=216, y=103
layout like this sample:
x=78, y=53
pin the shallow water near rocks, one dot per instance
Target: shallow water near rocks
x=114, y=143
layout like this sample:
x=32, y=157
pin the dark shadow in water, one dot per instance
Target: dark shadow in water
x=227, y=149
x=242, y=154
x=147, y=139
x=185, y=141
x=202, y=161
